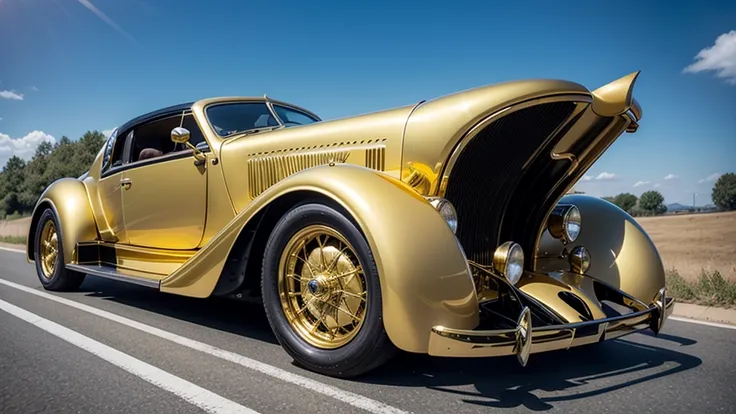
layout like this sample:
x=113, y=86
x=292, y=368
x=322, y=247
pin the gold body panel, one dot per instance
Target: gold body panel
x=165, y=204
x=424, y=280
x=67, y=197
x=622, y=254
x=175, y=223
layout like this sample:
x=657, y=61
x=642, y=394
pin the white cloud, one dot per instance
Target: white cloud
x=709, y=179
x=657, y=185
x=721, y=57
x=671, y=177
x=11, y=95
x=23, y=147
x=605, y=176
x=587, y=178
x=640, y=183
x=34, y=89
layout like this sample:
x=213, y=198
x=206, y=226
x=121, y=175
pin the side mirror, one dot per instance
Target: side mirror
x=180, y=135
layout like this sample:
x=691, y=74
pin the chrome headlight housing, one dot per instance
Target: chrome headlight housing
x=565, y=223
x=446, y=210
x=579, y=259
x=508, y=260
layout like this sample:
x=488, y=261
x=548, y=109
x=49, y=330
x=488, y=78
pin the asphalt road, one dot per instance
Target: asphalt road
x=113, y=347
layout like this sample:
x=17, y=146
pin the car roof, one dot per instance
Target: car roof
x=155, y=114
x=188, y=106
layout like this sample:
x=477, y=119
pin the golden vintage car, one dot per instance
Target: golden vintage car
x=445, y=227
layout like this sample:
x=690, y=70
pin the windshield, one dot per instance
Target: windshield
x=231, y=118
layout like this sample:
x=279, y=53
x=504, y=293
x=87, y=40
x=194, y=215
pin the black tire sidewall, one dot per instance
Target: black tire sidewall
x=47, y=215
x=371, y=332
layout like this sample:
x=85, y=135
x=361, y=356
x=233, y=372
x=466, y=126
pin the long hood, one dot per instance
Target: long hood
x=506, y=153
x=371, y=140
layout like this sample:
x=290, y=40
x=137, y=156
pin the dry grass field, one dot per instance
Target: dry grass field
x=693, y=242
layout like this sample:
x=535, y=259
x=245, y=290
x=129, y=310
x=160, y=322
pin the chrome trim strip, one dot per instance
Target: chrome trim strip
x=110, y=273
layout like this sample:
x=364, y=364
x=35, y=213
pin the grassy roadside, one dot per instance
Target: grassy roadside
x=710, y=288
x=13, y=239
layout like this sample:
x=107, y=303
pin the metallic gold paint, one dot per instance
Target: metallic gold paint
x=622, y=254
x=68, y=198
x=435, y=128
x=616, y=97
x=352, y=140
x=425, y=281
x=166, y=204
x=379, y=167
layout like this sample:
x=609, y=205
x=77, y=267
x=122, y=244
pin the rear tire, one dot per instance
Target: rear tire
x=49, y=256
x=322, y=294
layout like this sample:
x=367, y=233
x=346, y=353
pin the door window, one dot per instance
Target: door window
x=153, y=140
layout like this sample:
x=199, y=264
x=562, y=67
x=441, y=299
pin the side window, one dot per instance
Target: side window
x=153, y=139
x=108, y=149
x=114, y=150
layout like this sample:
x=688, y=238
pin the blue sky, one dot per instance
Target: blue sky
x=67, y=66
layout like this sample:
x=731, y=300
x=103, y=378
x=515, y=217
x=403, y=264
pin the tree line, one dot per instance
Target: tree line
x=651, y=203
x=21, y=182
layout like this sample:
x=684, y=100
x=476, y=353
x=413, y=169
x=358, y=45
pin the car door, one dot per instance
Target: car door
x=164, y=188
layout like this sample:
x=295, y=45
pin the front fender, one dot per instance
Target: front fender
x=425, y=279
x=68, y=198
x=622, y=253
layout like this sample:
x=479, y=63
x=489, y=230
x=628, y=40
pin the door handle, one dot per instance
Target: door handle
x=126, y=183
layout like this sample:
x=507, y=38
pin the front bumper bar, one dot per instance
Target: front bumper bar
x=525, y=339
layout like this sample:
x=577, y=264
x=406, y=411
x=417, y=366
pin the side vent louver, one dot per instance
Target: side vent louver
x=263, y=172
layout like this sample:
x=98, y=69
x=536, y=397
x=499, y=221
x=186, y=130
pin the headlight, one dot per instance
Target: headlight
x=508, y=260
x=446, y=210
x=565, y=223
x=579, y=260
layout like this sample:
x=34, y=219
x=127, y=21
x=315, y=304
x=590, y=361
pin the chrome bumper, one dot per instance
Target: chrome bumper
x=525, y=340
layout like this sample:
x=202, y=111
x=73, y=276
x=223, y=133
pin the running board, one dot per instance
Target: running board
x=109, y=272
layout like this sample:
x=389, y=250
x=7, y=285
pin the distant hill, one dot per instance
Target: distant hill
x=674, y=207
x=677, y=207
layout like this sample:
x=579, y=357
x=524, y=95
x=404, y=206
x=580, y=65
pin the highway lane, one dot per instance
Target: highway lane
x=689, y=368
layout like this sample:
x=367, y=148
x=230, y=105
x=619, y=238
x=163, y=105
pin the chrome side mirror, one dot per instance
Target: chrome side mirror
x=180, y=135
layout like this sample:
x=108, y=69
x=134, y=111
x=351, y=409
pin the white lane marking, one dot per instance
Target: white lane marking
x=12, y=250
x=699, y=322
x=348, y=397
x=184, y=389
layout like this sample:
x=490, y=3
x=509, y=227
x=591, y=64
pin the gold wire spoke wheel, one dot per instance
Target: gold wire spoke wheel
x=322, y=287
x=49, y=248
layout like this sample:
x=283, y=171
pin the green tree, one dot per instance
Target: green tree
x=724, y=192
x=11, y=185
x=652, y=202
x=34, y=181
x=625, y=201
x=21, y=183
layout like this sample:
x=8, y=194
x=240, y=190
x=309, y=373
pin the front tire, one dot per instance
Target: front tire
x=49, y=256
x=322, y=294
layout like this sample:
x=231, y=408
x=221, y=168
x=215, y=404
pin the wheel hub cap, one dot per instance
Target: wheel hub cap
x=322, y=287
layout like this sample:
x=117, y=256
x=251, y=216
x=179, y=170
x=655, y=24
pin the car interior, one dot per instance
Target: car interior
x=153, y=139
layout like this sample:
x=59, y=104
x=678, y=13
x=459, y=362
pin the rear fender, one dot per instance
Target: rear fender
x=425, y=279
x=68, y=198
